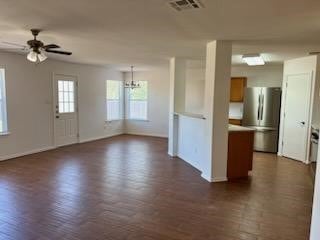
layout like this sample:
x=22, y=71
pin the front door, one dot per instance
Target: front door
x=65, y=111
x=296, y=116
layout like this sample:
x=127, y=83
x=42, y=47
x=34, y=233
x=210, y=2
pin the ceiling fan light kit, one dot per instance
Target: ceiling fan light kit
x=32, y=56
x=37, y=49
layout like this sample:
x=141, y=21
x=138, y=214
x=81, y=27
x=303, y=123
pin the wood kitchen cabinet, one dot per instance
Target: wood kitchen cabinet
x=235, y=121
x=238, y=84
x=240, y=153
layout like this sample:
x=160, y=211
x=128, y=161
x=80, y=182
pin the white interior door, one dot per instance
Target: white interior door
x=296, y=116
x=65, y=112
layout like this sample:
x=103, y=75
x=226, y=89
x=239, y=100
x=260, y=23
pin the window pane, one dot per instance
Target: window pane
x=113, y=89
x=60, y=96
x=71, y=107
x=65, y=86
x=138, y=101
x=61, y=108
x=60, y=86
x=1, y=121
x=71, y=86
x=71, y=97
x=113, y=110
x=3, y=107
x=66, y=107
x=66, y=96
x=140, y=93
x=113, y=95
x=138, y=109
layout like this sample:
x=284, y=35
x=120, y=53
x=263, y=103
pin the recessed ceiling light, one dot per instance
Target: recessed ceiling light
x=253, y=59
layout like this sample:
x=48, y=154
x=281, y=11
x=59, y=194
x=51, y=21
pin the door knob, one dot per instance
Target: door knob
x=57, y=116
x=303, y=123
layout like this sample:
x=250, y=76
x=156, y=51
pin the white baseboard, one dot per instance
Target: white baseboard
x=193, y=164
x=147, y=134
x=215, y=179
x=172, y=154
x=16, y=155
x=99, y=138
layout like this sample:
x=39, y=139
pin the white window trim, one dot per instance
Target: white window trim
x=121, y=102
x=5, y=114
x=2, y=134
x=127, y=105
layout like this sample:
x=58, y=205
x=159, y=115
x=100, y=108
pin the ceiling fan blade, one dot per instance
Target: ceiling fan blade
x=14, y=44
x=4, y=48
x=51, y=46
x=58, y=52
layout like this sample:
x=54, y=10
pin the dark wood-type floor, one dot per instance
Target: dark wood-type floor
x=127, y=187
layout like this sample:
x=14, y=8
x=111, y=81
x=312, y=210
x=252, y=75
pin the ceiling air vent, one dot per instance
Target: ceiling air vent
x=180, y=5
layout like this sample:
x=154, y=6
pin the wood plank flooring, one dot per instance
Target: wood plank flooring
x=127, y=187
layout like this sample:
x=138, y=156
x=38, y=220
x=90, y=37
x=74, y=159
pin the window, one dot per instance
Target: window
x=138, y=102
x=3, y=107
x=113, y=99
x=66, y=96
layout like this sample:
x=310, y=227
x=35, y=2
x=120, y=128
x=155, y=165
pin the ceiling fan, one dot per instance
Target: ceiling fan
x=37, y=49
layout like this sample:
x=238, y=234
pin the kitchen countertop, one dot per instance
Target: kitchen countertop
x=235, y=117
x=235, y=128
x=192, y=115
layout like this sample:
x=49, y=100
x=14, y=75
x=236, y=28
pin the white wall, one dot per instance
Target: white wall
x=190, y=140
x=260, y=76
x=30, y=103
x=304, y=65
x=202, y=139
x=257, y=76
x=158, y=103
x=194, y=86
x=315, y=223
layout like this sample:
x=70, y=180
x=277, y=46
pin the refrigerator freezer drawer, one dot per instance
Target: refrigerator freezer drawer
x=266, y=140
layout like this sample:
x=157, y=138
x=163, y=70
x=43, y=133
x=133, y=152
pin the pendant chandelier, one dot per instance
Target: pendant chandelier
x=132, y=84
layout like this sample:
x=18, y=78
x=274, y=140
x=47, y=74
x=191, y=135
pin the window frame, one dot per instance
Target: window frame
x=3, y=104
x=68, y=92
x=120, y=101
x=128, y=104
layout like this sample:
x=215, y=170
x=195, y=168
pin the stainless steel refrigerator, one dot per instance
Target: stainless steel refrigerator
x=261, y=111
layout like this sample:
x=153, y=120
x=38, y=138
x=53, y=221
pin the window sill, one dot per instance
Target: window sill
x=4, y=133
x=114, y=120
x=138, y=120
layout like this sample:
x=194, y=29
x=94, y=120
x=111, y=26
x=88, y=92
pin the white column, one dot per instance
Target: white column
x=315, y=222
x=177, y=100
x=216, y=110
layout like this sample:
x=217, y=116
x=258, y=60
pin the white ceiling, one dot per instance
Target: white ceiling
x=148, y=32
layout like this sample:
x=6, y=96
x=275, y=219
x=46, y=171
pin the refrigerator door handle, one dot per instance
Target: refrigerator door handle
x=262, y=104
x=259, y=102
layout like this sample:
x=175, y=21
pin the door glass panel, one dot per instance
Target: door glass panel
x=65, y=86
x=66, y=96
x=70, y=86
x=71, y=107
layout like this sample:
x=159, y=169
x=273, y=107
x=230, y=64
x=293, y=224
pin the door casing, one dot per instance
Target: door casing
x=309, y=115
x=54, y=98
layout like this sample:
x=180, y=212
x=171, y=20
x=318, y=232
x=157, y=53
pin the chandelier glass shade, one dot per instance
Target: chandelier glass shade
x=132, y=84
x=34, y=56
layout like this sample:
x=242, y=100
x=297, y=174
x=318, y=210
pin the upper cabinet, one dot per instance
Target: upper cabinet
x=238, y=84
